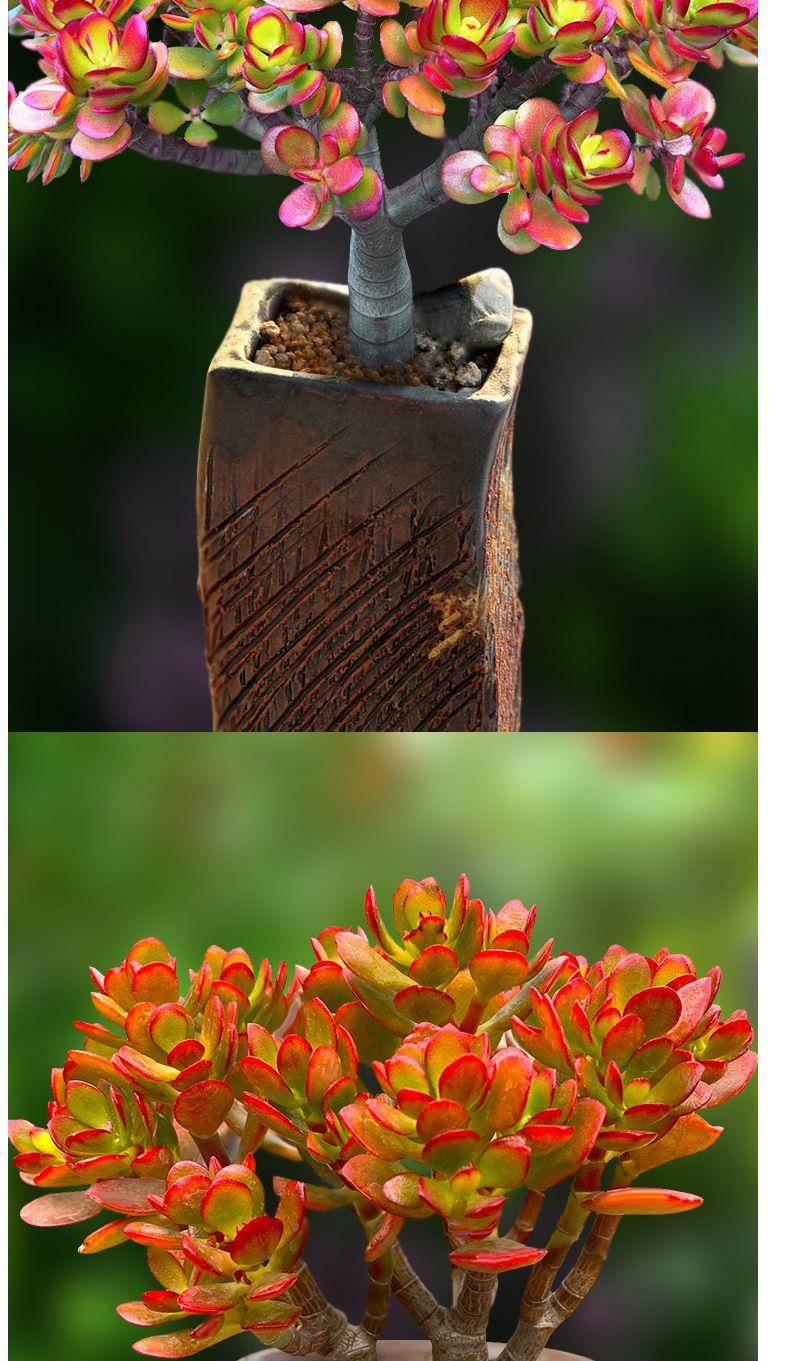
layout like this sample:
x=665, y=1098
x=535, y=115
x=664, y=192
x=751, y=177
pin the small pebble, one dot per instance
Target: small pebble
x=469, y=376
x=311, y=337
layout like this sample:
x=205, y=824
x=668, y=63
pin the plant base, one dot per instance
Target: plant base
x=358, y=552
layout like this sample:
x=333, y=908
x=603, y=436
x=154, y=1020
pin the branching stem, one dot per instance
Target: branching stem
x=220, y=160
x=365, y=64
x=424, y=191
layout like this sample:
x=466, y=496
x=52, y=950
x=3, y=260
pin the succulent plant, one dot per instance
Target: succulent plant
x=552, y=171
x=244, y=72
x=567, y=30
x=675, y=131
x=433, y=1066
x=284, y=63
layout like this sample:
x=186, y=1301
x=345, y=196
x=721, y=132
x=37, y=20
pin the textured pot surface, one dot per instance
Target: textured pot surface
x=358, y=554
x=420, y=1351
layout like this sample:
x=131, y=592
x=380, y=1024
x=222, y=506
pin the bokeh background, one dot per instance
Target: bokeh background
x=643, y=839
x=635, y=442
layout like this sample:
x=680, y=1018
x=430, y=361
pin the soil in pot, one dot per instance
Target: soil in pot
x=310, y=336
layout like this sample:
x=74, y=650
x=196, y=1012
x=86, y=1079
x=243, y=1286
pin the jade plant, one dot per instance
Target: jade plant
x=193, y=81
x=440, y=1066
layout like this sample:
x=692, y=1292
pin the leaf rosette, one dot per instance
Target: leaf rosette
x=566, y=30
x=456, y=964
x=676, y=131
x=216, y=1255
x=641, y=1036
x=671, y=36
x=454, y=48
x=330, y=172
x=480, y=1125
x=551, y=171
x=285, y=62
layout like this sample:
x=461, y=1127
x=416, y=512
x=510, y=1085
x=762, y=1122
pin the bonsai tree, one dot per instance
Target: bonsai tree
x=440, y=1067
x=164, y=77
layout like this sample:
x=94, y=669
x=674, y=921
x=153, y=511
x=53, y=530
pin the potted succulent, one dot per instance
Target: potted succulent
x=358, y=560
x=441, y=1067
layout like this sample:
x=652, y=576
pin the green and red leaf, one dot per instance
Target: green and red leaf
x=496, y=1255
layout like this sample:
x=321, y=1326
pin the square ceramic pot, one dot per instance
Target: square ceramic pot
x=357, y=548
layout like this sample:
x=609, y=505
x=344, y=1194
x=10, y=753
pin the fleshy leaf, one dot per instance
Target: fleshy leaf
x=638, y=1200
x=691, y=1134
x=67, y=1207
x=496, y=1254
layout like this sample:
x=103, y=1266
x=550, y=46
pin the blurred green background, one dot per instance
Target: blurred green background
x=634, y=454
x=260, y=841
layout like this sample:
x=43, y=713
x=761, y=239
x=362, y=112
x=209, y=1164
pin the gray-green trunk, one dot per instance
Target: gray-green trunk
x=381, y=297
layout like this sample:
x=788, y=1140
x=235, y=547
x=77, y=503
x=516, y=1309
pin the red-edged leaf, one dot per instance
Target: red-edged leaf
x=657, y=1008
x=404, y=1195
x=202, y=1108
x=227, y=1204
x=142, y=1316
x=368, y=1175
x=505, y=1164
x=638, y=1200
x=691, y=1134
x=273, y=1119
x=126, y=1195
x=108, y=1236
x=586, y=1120
x=68, y=1207
x=374, y=1136
x=733, y=1080
x=694, y=998
x=495, y=971
x=425, y=1004
x=154, y=1236
x=256, y=1240
x=204, y=1255
x=435, y=967
x=438, y=1116
x=383, y=1236
x=543, y=1138
x=464, y=1080
x=449, y=1151
x=496, y=1254
x=182, y=1344
x=623, y=1039
x=509, y=1083
x=211, y=1298
x=273, y=1288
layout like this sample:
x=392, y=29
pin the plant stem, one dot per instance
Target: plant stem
x=475, y=1299
x=424, y=191
x=414, y=1295
x=325, y=1329
x=579, y=1281
x=379, y=1294
x=220, y=160
x=379, y=281
x=526, y=1220
x=365, y=67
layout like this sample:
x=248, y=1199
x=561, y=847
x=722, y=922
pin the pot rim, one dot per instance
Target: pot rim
x=259, y=302
x=407, y=1349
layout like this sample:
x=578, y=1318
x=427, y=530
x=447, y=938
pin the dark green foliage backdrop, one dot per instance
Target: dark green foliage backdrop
x=647, y=840
x=635, y=445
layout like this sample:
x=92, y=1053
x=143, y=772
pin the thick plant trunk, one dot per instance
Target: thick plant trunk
x=381, y=316
x=381, y=299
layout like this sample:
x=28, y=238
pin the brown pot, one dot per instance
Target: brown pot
x=420, y=1350
x=358, y=554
